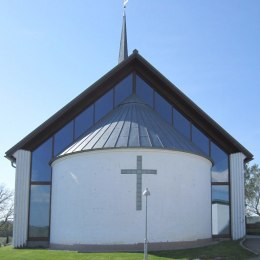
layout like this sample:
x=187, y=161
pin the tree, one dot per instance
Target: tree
x=252, y=190
x=6, y=212
x=6, y=205
x=6, y=230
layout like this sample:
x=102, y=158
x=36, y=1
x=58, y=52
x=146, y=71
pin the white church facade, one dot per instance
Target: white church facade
x=80, y=175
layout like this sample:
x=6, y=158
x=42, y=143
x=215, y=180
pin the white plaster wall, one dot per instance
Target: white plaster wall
x=220, y=218
x=21, y=199
x=93, y=203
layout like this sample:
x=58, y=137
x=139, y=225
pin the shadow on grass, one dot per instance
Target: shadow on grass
x=223, y=250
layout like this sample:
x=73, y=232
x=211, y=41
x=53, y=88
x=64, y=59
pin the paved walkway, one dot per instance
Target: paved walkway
x=253, y=244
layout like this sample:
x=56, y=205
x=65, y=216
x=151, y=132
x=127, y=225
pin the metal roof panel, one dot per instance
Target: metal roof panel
x=133, y=124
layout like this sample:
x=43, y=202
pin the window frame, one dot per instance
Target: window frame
x=134, y=76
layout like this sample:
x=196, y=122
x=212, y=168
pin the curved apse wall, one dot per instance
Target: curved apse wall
x=94, y=204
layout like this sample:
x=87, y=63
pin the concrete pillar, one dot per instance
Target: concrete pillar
x=237, y=195
x=21, y=200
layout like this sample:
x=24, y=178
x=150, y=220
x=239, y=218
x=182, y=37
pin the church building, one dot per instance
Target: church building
x=80, y=175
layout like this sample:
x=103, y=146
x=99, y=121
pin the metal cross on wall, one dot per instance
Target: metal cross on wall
x=139, y=172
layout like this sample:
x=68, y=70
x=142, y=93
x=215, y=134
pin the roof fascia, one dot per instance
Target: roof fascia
x=135, y=62
x=74, y=107
x=194, y=113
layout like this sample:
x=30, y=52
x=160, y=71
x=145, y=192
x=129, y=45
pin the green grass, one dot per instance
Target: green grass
x=226, y=250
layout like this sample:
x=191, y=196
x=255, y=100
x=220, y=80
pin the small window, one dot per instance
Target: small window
x=103, y=105
x=163, y=108
x=220, y=167
x=84, y=121
x=63, y=138
x=220, y=210
x=200, y=140
x=39, y=211
x=123, y=89
x=181, y=124
x=41, y=170
x=144, y=91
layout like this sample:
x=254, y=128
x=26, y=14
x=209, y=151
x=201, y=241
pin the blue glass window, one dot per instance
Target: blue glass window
x=200, y=140
x=163, y=108
x=220, y=210
x=63, y=138
x=39, y=211
x=41, y=170
x=220, y=167
x=84, y=121
x=220, y=194
x=181, y=124
x=123, y=89
x=103, y=105
x=144, y=91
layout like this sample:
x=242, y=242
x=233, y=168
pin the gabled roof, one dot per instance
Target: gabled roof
x=134, y=63
x=133, y=124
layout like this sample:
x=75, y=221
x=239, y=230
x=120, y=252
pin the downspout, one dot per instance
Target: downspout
x=13, y=163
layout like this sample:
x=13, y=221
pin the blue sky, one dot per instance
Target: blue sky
x=52, y=50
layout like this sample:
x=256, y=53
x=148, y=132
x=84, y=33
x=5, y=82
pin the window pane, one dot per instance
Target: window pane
x=39, y=211
x=144, y=91
x=220, y=210
x=41, y=170
x=200, y=140
x=123, y=89
x=220, y=167
x=181, y=124
x=63, y=138
x=163, y=108
x=84, y=121
x=103, y=105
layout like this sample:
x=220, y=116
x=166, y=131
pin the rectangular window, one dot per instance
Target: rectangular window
x=41, y=170
x=163, y=108
x=39, y=211
x=63, y=138
x=220, y=167
x=103, y=105
x=84, y=121
x=200, y=140
x=123, y=89
x=220, y=210
x=181, y=124
x=144, y=91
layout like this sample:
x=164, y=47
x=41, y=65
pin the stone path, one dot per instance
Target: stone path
x=253, y=244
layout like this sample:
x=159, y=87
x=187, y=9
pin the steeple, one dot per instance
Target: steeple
x=123, y=52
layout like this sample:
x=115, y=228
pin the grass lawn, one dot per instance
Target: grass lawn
x=225, y=250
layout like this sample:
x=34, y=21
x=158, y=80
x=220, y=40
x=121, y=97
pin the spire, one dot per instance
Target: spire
x=123, y=52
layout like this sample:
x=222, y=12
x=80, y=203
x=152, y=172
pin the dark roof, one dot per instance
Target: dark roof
x=134, y=63
x=133, y=124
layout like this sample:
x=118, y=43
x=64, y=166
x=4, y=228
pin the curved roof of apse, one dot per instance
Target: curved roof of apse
x=132, y=124
x=134, y=63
